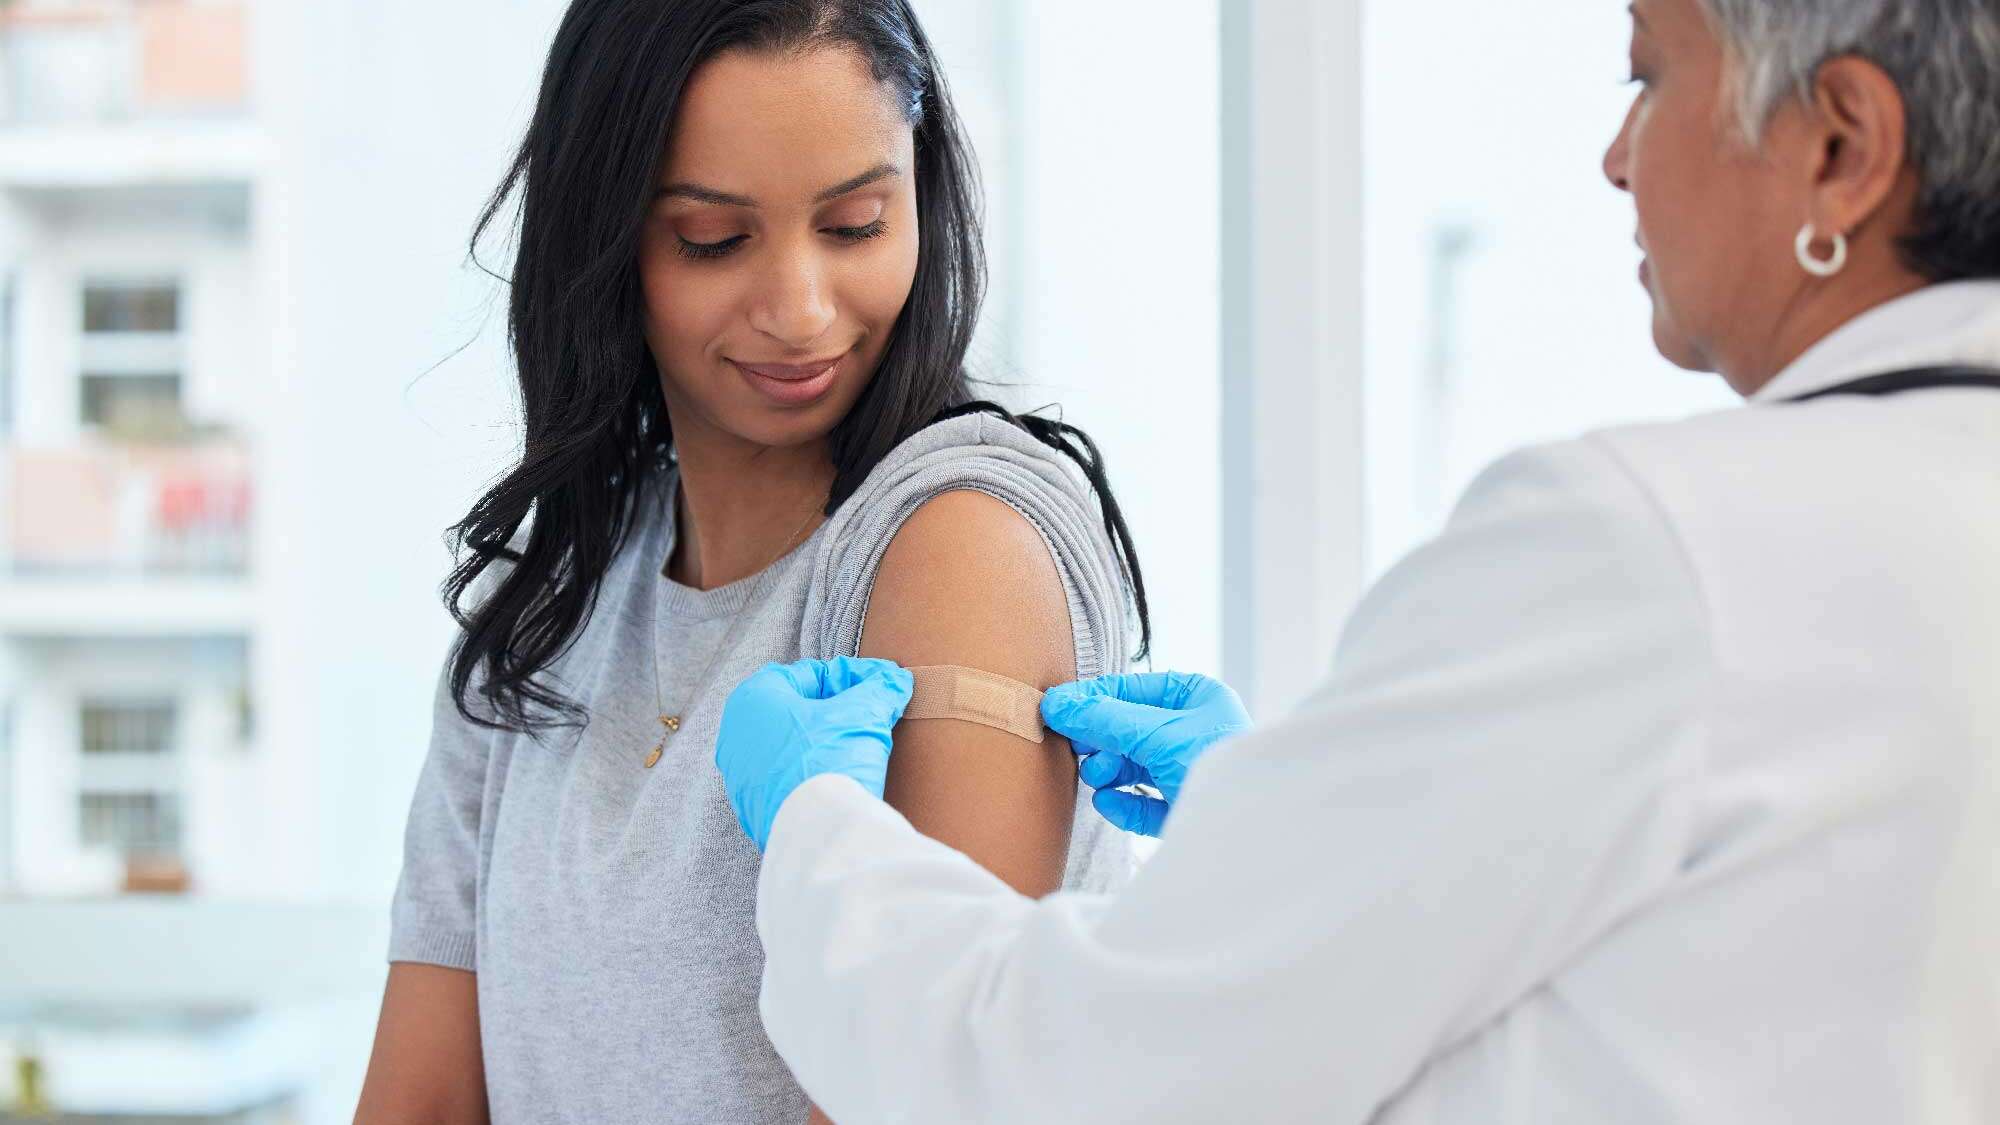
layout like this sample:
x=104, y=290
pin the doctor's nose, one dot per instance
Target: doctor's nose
x=793, y=304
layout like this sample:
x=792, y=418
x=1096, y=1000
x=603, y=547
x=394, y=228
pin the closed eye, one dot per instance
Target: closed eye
x=875, y=229
x=700, y=250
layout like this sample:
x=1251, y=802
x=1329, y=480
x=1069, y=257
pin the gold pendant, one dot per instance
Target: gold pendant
x=672, y=723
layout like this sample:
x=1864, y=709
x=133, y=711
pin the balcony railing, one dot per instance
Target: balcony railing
x=120, y=60
x=128, y=510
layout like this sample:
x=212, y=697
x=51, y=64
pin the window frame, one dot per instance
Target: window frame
x=1293, y=515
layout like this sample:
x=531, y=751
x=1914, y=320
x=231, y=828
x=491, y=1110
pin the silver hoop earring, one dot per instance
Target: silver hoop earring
x=1820, y=267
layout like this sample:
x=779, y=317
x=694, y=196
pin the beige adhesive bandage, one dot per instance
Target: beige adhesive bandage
x=947, y=691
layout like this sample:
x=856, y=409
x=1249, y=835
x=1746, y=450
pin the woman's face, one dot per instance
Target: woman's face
x=1716, y=217
x=781, y=245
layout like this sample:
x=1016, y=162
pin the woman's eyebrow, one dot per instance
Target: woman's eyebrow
x=701, y=194
x=879, y=172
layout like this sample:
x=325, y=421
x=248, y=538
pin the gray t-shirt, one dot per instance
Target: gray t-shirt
x=608, y=909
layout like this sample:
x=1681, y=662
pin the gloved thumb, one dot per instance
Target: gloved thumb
x=843, y=672
x=879, y=695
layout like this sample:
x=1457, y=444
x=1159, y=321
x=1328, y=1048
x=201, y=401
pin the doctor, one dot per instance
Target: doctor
x=1663, y=786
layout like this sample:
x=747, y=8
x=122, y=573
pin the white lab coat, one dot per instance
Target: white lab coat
x=1664, y=785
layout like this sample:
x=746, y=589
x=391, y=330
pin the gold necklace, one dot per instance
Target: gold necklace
x=671, y=724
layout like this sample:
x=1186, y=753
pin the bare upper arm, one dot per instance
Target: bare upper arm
x=967, y=580
x=426, y=1065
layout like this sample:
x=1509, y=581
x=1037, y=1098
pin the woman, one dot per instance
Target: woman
x=1664, y=785
x=748, y=269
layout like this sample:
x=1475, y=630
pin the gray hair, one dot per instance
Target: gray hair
x=1944, y=56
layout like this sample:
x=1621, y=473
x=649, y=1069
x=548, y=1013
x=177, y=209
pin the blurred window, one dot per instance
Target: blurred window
x=140, y=727
x=129, y=402
x=131, y=307
x=132, y=356
x=133, y=823
x=129, y=796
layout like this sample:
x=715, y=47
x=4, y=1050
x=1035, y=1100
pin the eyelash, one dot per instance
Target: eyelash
x=702, y=251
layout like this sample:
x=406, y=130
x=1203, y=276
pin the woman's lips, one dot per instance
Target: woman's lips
x=791, y=384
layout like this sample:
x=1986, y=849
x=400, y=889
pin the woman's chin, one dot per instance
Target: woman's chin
x=784, y=427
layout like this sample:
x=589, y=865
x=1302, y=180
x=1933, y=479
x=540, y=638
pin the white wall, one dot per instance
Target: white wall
x=42, y=822
x=979, y=44
x=1552, y=332
x=380, y=168
x=1115, y=282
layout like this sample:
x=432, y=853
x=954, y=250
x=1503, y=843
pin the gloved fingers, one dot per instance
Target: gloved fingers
x=1130, y=730
x=1208, y=694
x=1153, y=689
x=773, y=686
x=821, y=679
x=1130, y=811
x=1110, y=771
x=805, y=678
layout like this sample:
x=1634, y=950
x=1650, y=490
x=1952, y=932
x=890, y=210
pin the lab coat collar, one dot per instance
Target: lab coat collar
x=1956, y=322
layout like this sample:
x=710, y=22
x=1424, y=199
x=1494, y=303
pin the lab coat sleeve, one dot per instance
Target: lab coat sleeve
x=1498, y=770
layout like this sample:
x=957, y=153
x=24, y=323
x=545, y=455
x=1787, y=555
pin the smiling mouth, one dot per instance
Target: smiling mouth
x=788, y=372
x=791, y=384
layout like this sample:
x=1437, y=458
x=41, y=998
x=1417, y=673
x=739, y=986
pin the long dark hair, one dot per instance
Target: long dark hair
x=596, y=423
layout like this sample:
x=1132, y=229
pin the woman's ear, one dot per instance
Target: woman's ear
x=1862, y=155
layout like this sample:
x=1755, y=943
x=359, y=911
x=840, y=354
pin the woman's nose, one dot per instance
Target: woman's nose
x=1616, y=166
x=793, y=305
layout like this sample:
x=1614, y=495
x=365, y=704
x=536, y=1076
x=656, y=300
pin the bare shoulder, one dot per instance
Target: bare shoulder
x=969, y=580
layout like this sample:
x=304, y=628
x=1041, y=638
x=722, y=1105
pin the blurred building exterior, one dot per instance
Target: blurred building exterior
x=132, y=343
x=134, y=362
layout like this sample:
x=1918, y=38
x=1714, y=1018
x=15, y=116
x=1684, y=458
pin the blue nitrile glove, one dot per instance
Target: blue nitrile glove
x=789, y=722
x=1142, y=728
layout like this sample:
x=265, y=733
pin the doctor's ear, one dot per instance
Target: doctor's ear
x=1859, y=163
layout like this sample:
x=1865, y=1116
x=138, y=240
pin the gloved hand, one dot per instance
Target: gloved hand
x=789, y=722
x=1141, y=729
